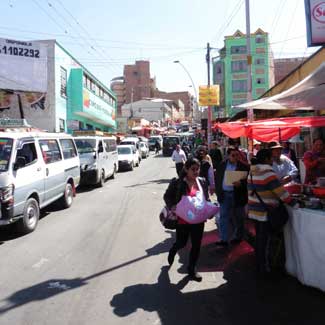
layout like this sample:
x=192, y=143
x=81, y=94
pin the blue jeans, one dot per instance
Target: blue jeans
x=231, y=214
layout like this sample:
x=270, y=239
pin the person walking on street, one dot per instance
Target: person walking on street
x=232, y=199
x=206, y=169
x=187, y=184
x=265, y=182
x=157, y=147
x=179, y=157
x=215, y=155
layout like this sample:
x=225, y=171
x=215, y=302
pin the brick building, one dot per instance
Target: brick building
x=184, y=96
x=282, y=67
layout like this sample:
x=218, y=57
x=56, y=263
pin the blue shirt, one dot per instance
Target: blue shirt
x=231, y=167
x=286, y=167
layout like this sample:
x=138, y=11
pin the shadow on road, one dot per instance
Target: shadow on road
x=155, y=181
x=53, y=287
x=241, y=300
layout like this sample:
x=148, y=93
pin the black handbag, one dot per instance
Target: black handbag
x=168, y=218
x=277, y=216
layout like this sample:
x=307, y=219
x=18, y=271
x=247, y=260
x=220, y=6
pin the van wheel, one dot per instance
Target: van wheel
x=138, y=163
x=29, y=221
x=67, y=198
x=102, y=179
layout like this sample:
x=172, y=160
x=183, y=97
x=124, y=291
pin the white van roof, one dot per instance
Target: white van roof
x=18, y=135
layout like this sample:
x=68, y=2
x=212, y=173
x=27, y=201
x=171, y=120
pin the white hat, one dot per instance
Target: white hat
x=255, y=142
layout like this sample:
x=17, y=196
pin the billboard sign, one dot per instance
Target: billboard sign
x=209, y=95
x=23, y=65
x=315, y=21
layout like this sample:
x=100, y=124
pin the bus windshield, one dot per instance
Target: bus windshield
x=5, y=153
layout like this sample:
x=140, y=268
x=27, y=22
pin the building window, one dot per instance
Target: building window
x=259, y=39
x=239, y=86
x=63, y=80
x=61, y=125
x=260, y=71
x=259, y=61
x=260, y=80
x=237, y=66
x=238, y=49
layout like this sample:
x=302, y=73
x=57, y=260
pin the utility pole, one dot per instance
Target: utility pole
x=250, y=112
x=209, y=107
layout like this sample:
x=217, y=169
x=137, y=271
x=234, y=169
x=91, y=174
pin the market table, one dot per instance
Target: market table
x=305, y=246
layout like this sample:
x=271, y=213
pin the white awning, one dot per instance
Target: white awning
x=308, y=94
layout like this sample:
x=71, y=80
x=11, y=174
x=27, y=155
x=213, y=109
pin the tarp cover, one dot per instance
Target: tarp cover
x=308, y=94
x=270, y=129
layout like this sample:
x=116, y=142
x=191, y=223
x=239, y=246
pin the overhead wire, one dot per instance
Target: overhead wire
x=84, y=39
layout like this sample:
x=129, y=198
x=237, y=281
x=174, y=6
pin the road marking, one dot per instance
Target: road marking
x=40, y=263
x=58, y=285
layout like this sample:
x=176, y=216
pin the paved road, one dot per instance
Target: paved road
x=103, y=261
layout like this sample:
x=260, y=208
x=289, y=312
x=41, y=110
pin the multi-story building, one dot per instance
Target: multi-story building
x=230, y=70
x=187, y=99
x=134, y=85
x=156, y=110
x=75, y=99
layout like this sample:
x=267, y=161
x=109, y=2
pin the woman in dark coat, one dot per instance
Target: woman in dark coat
x=186, y=184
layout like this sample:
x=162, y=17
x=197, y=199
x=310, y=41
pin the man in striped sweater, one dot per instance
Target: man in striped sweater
x=264, y=180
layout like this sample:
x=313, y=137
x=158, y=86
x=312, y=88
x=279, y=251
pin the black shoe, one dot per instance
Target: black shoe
x=195, y=276
x=222, y=243
x=171, y=257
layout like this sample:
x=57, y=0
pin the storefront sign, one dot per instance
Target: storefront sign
x=98, y=108
x=315, y=21
x=23, y=65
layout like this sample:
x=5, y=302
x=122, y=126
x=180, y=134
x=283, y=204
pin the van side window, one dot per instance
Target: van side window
x=68, y=148
x=28, y=152
x=110, y=145
x=50, y=150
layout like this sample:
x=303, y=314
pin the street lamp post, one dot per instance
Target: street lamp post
x=193, y=85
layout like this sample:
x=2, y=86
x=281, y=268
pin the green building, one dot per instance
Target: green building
x=230, y=70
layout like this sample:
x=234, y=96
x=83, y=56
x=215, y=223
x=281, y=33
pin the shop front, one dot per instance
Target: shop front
x=90, y=107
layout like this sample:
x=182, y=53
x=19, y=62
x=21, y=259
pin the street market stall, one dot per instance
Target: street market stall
x=305, y=254
x=305, y=231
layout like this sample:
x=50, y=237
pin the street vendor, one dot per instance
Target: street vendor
x=284, y=167
x=314, y=161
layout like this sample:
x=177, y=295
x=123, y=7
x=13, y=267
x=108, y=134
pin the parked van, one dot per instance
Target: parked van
x=98, y=158
x=36, y=169
x=133, y=141
x=127, y=157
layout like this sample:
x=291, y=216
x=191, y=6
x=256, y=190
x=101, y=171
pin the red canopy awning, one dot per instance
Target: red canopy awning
x=270, y=129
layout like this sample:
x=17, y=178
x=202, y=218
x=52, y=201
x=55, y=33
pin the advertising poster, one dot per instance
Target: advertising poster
x=315, y=21
x=23, y=66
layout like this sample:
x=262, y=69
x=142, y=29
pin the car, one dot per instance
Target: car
x=36, y=169
x=127, y=157
x=144, y=150
x=169, y=144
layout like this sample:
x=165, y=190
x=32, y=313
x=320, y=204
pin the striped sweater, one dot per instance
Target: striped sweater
x=268, y=187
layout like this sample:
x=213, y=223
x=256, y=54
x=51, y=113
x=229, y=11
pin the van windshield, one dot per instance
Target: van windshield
x=124, y=151
x=85, y=145
x=5, y=153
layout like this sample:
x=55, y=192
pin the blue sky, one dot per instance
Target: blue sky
x=104, y=34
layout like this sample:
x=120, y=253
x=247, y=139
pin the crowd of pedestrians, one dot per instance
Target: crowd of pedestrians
x=267, y=168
